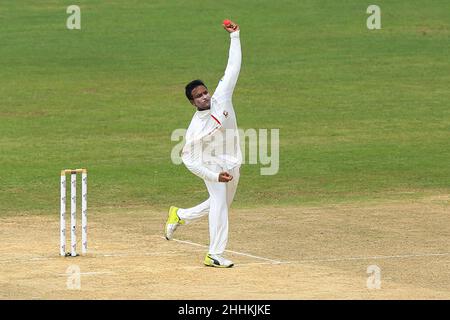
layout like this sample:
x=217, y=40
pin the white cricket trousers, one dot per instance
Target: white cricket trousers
x=221, y=196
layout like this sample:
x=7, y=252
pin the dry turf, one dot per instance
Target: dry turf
x=319, y=252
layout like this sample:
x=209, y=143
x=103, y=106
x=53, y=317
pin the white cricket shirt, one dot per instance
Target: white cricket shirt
x=212, y=139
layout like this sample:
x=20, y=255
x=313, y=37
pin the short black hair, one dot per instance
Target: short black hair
x=191, y=86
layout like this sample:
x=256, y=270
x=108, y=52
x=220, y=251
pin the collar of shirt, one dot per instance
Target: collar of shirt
x=203, y=114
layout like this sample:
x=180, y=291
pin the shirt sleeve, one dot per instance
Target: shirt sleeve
x=225, y=88
x=192, y=161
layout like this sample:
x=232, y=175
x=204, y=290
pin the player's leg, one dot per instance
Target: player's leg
x=217, y=260
x=218, y=217
x=232, y=185
x=178, y=216
x=191, y=214
x=218, y=225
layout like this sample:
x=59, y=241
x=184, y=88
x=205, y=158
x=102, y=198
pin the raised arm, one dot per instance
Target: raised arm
x=226, y=85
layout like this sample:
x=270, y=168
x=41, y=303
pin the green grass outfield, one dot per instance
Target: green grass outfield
x=363, y=115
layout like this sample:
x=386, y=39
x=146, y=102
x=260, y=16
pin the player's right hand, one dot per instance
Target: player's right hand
x=225, y=177
x=232, y=27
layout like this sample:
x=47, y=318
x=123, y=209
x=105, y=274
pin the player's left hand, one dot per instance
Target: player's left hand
x=225, y=177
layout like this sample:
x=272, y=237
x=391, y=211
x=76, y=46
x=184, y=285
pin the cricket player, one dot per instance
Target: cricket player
x=212, y=152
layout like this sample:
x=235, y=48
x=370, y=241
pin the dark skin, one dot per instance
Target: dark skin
x=202, y=101
x=201, y=98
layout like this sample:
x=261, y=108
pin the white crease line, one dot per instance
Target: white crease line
x=326, y=259
x=240, y=253
x=85, y=273
x=92, y=255
x=230, y=251
x=238, y=265
x=28, y=260
x=136, y=254
x=264, y=263
x=376, y=257
x=256, y=257
x=334, y=260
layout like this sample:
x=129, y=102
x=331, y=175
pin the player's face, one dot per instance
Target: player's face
x=202, y=99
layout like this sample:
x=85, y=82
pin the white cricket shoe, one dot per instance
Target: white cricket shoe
x=173, y=221
x=217, y=261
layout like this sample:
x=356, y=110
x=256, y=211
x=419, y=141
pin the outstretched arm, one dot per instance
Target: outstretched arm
x=226, y=85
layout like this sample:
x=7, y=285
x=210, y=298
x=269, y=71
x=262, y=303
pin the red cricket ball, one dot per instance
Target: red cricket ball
x=227, y=22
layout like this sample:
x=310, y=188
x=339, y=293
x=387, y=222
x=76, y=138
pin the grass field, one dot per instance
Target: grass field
x=364, y=116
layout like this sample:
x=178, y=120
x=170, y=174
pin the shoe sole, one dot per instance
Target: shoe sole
x=212, y=264
x=216, y=266
x=167, y=223
x=165, y=233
